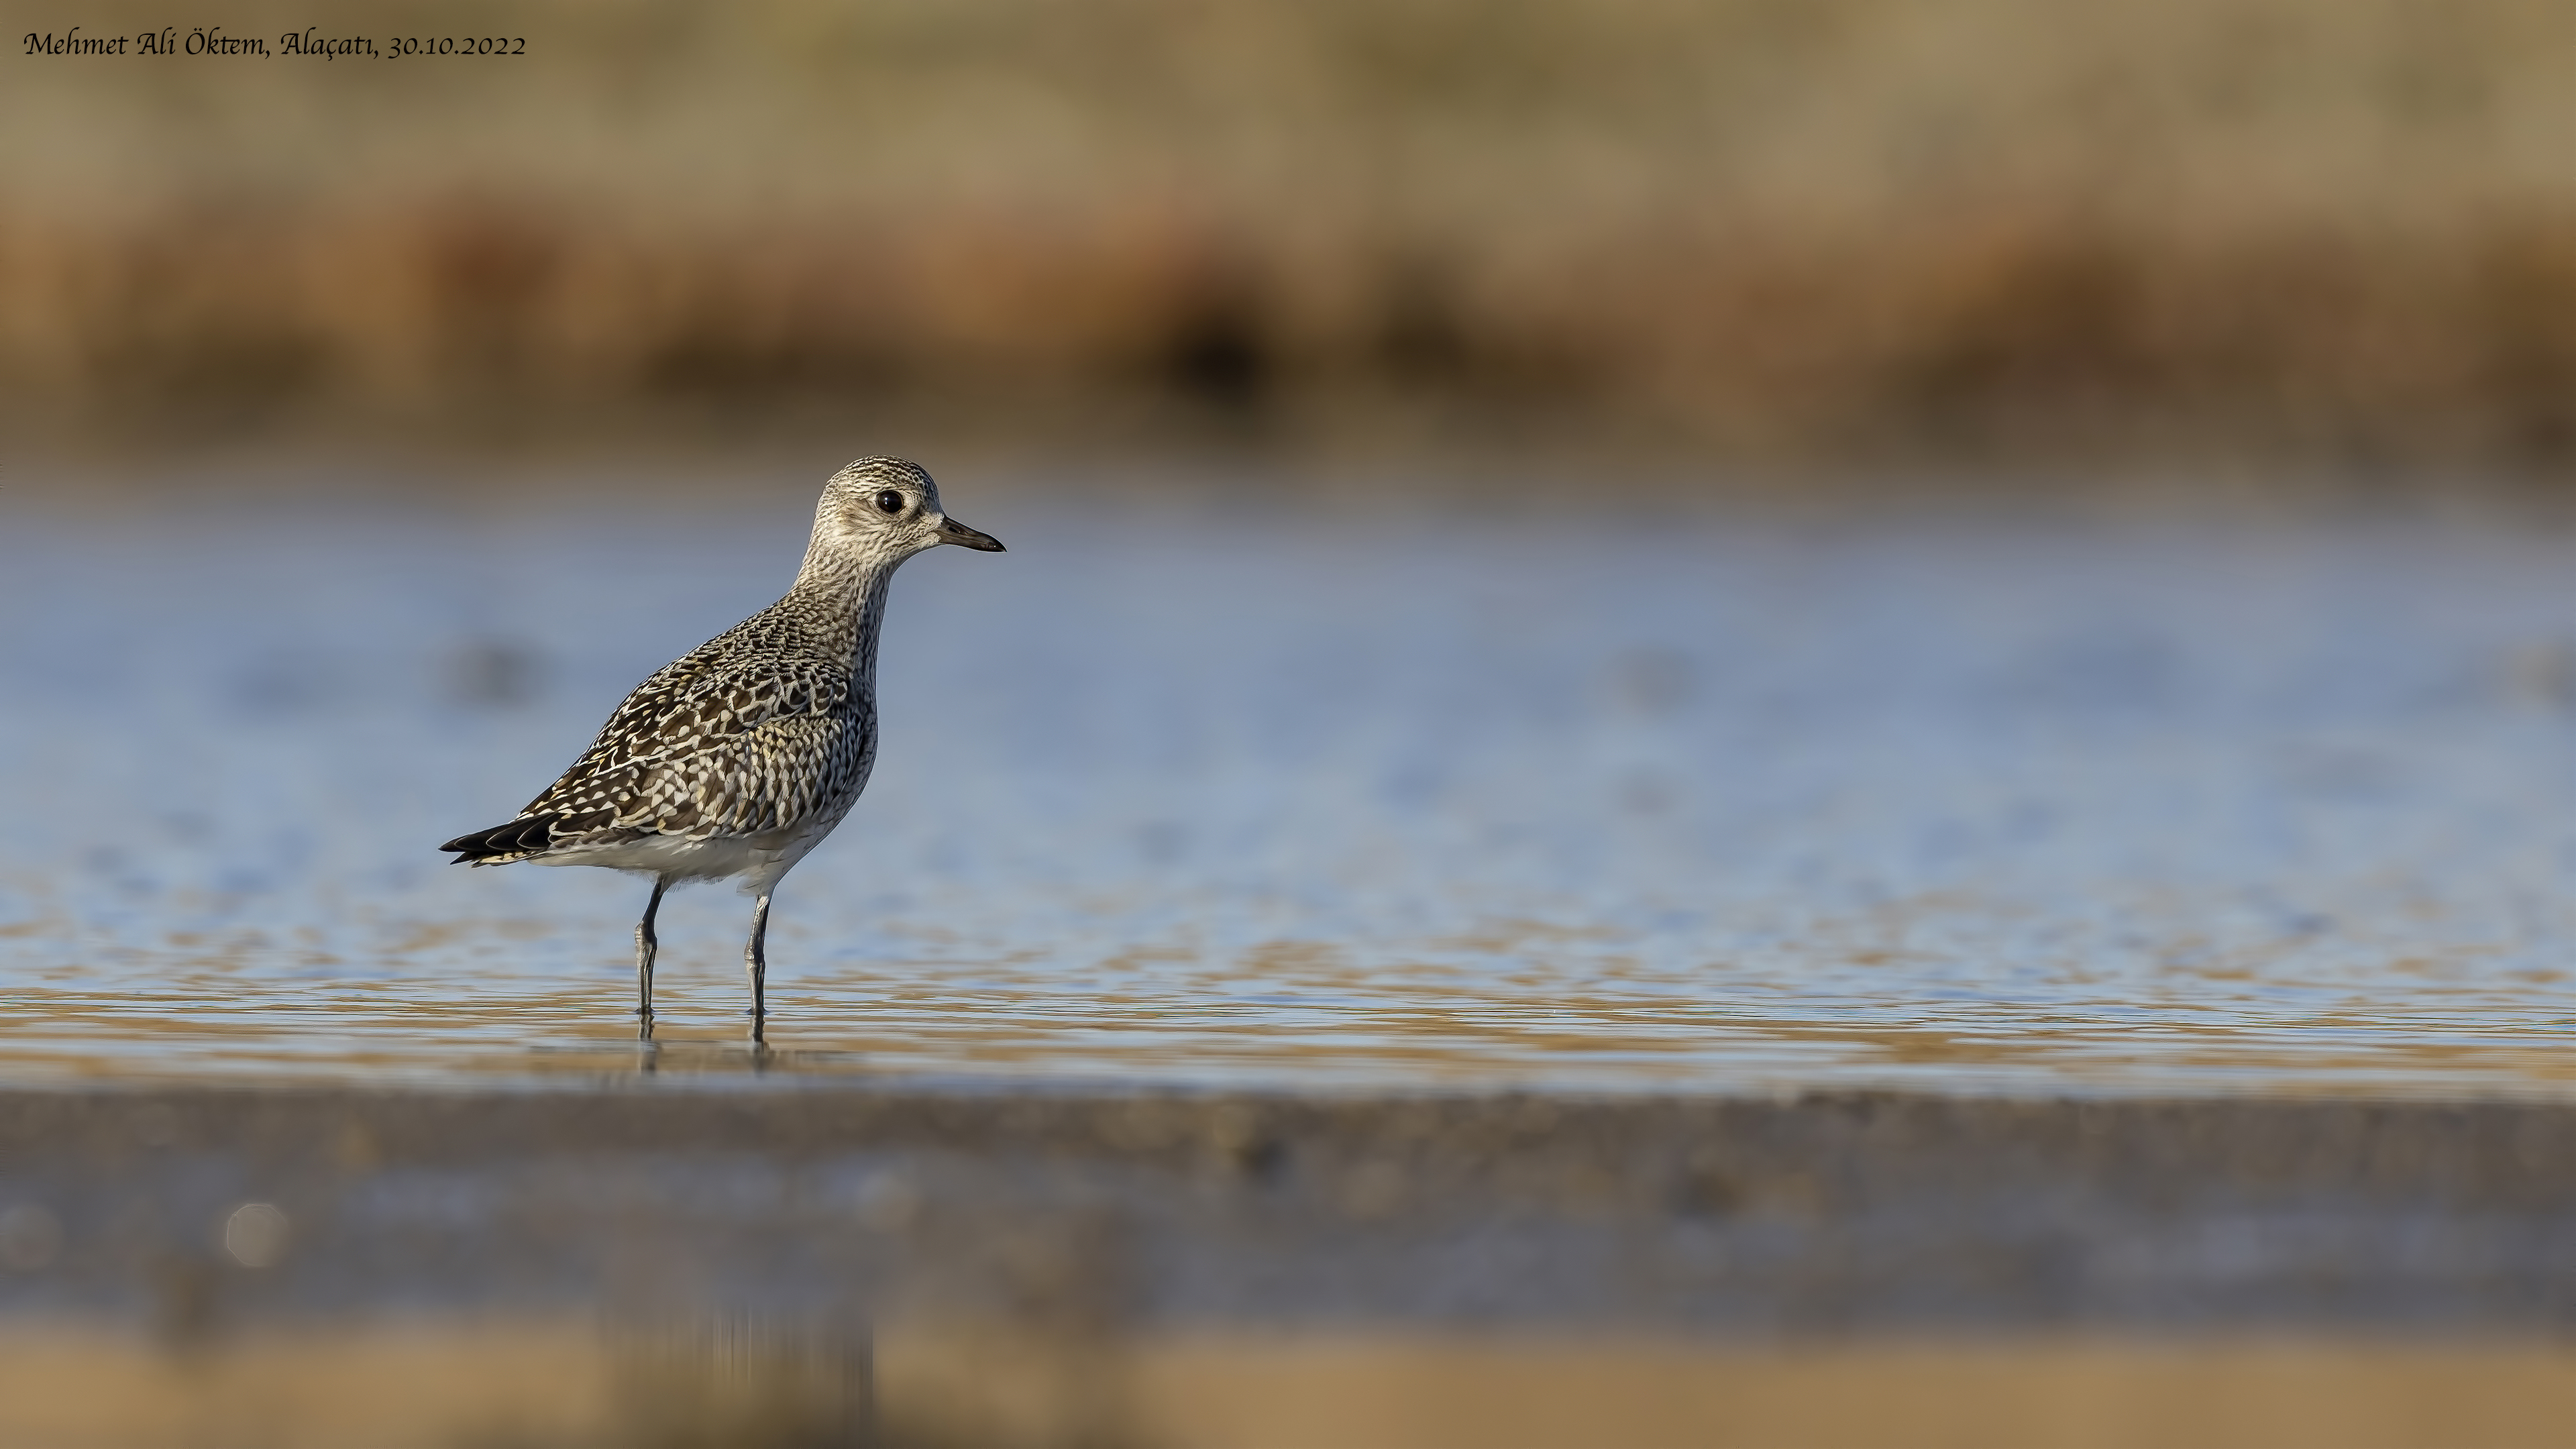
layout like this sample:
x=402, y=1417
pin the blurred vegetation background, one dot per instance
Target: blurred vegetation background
x=2309, y=231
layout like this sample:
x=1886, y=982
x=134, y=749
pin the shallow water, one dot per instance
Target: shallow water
x=1189, y=795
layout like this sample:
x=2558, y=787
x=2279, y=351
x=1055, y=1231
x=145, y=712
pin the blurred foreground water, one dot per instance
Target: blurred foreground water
x=1329, y=797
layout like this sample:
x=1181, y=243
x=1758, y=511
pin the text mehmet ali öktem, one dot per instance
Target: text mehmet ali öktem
x=211, y=40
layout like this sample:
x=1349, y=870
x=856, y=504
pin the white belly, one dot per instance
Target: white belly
x=760, y=859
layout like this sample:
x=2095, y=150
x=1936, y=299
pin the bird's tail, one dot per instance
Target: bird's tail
x=502, y=844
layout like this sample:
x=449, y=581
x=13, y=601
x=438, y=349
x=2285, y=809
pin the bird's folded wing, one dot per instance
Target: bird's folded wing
x=719, y=745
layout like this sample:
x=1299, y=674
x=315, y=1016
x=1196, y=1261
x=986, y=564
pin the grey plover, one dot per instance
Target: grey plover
x=741, y=756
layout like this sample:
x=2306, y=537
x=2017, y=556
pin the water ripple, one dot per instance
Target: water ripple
x=1731, y=807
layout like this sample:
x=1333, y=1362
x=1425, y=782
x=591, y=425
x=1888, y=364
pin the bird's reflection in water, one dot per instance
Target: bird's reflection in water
x=659, y=1056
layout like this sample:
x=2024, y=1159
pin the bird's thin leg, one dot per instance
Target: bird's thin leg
x=645, y=944
x=755, y=960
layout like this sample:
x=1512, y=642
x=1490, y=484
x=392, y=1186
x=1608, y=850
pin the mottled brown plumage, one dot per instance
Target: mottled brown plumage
x=755, y=732
x=739, y=757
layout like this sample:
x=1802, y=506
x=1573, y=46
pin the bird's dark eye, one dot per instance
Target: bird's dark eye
x=889, y=503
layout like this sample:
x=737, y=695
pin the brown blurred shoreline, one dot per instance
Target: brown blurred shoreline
x=1851, y=239
x=1995, y=339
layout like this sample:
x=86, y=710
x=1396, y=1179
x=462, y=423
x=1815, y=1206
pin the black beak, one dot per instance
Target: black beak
x=951, y=531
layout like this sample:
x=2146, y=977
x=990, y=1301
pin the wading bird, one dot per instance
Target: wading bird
x=742, y=755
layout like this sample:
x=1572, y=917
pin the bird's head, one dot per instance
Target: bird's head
x=885, y=510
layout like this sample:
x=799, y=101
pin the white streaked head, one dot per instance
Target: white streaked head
x=881, y=511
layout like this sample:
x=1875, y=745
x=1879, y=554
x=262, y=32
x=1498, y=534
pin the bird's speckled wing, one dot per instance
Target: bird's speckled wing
x=737, y=738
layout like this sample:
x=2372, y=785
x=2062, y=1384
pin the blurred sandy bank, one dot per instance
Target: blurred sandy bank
x=934, y=1387
x=653, y=1263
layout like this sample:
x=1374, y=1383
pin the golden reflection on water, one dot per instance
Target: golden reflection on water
x=1318, y=1020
